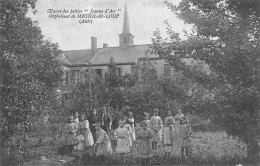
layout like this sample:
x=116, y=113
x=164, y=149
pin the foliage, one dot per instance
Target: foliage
x=225, y=38
x=142, y=91
x=30, y=70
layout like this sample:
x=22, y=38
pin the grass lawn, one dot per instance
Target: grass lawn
x=208, y=149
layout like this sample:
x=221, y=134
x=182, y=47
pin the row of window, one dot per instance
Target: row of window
x=76, y=76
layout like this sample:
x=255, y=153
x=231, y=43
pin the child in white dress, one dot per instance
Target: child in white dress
x=156, y=125
x=128, y=126
x=122, y=136
x=167, y=137
x=70, y=129
x=85, y=130
x=131, y=121
x=184, y=138
x=76, y=118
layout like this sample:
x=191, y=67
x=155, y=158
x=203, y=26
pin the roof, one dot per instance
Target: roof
x=63, y=59
x=121, y=55
x=78, y=56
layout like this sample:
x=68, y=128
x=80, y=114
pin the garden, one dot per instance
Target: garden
x=222, y=104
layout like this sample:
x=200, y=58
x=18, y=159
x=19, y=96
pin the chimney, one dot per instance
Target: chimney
x=105, y=45
x=93, y=45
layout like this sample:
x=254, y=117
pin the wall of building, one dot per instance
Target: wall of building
x=158, y=64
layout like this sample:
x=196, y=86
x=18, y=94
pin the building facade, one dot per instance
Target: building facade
x=126, y=56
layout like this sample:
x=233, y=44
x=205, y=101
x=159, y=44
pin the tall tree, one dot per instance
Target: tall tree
x=226, y=38
x=31, y=72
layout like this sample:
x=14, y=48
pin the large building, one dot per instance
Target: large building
x=126, y=55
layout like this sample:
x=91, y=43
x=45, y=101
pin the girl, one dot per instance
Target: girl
x=170, y=117
x=103, y=145
x=146, y=118
x=185, y=134
x=156, y=125
x=76, y=118
x=78, y=143
x=122, y=136
x=84, y=129
x=178, y=117
x=167, y=137
x=144, y=148
x=131, y=121
x=70, y=129
x=129, y=130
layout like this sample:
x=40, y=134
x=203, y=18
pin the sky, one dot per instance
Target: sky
x=144, y=17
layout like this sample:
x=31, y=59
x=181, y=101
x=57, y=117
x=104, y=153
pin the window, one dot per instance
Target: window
x=76, y=76
x=124, y=39
x=131, y=40
x=167, y=70
x=119, y=72
x=81, y=77
x=133, y=69
x=71, y=76
x=99, y=72
x=67, y=77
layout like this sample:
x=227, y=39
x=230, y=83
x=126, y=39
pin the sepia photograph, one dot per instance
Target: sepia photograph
x=130, y=82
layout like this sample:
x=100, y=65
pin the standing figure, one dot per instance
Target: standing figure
x=144, y=147
x=156, y=125
x=84, y=129
x=103, y=145
x=70, y=129
x=78, y=143
x=131, y=121
x=106, y=120
x=122, y=136
x=93, y=118
x=170, y=117
x=76, y=118
x=178, y=117
x=146, y=118
x=129, y=128
x=185, y=134
x=115, y=122
x=167, y=137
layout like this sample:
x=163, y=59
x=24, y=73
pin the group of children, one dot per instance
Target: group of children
x=153, y=132
x=175, y=130
x=78, y=133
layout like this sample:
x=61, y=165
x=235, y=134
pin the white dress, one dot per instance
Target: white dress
x=132, y=121
x=127, y=126
x=156, y=125
x=122, y=145
x=76, y=121
x=167, y=137
x=84, y=127
x=70, y=129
